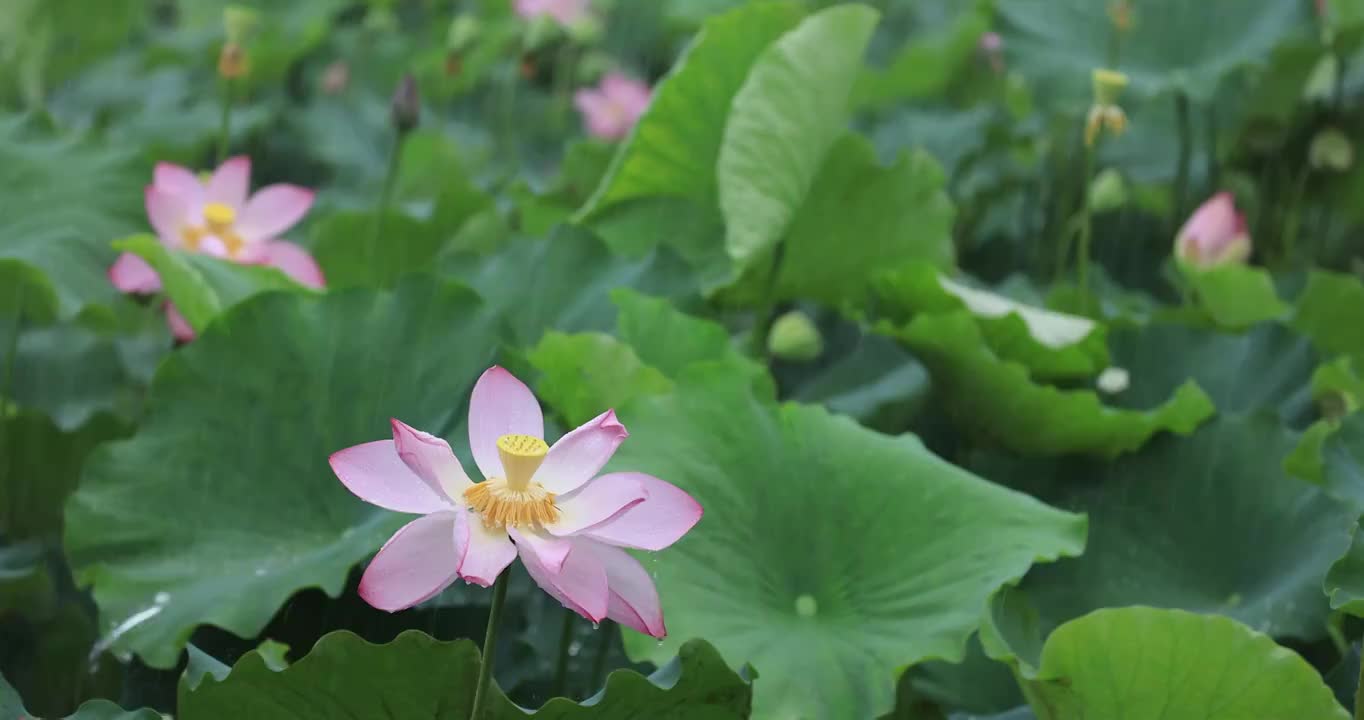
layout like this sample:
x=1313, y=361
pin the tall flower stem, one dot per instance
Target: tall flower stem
x=6, y=390
x=485, y=671
x=767, y=309
x=395, y=161
x=1185, y=125
x=561, y=664
x=225, y=119
x=1359, y=694
x=1086, y=228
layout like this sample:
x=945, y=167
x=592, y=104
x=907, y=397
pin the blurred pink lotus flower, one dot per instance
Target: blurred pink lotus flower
x=566, y=12
x=992, y=47
x=611, y=108
x=546, y=504
x=217, y=217
x=1214, y=235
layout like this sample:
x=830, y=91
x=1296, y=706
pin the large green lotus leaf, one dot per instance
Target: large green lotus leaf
x=1341, y=454
x=828, y=550
x=1345, y=582
x=860, y=218
x=996, y=398
x=346, y=248
x=1141, y=662
x=47, y=41
x=927, y=63
x=1173, y=45
x=222, y=505
x=1265, y=369
x=1050, y=344
x=12, y=706
x=584, y=373
x=1331, y=312
x=672, y=341
x=782, y=124
x=871, y=378
x=64, y=201
x=1170, y=527
x=419, y=676
x=202, y=286
x=72, y=372
x=39, y=468
x=676, y=143
x=564, y=282
x=1237, y=296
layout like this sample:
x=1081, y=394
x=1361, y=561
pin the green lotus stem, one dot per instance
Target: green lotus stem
x=561, y=663
x=1085, y=230
x=767, y=309
x=1181, y=187
x=485, y=670
x=1359, y=694
x=225, y=121
x=1293, y=217
x=395, y=161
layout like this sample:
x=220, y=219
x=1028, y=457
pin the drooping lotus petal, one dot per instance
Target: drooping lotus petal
x=580, y=585
x=600, y=500
x=666, y=514
x=549, y=551
x=429, y=458
x=490, y=552
x=272, y=210
x=179, y=326
x=500, y=405
x=132, y=274
x=375, y=473
x=577, y=456
x=230, y=183
x=1215, y=234
x=420, y=560
x=634, y=597
x=167, y=211
x=293, y=260
x=178, y=180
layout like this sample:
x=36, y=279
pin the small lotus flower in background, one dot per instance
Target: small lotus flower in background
x=336, y=78
x=611, y=109
x=992, y=47
x=216, y=217
x=1105, y=114
x=1214, y=235
x=566, y=12
x=545, y=503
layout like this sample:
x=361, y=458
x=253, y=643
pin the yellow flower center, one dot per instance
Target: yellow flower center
x=515, y=500
x=218, y=222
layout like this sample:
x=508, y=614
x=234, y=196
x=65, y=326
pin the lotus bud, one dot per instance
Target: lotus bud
x=1214, y=235
x=795, y=337
x=1331, y=150
x=405, y=110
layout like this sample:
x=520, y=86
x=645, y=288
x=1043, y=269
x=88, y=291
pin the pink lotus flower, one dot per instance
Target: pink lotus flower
x=217, y=218
x=546, y=504
x=611, y=108
x=991, y=45
x=566, y=12
x=1214, y=235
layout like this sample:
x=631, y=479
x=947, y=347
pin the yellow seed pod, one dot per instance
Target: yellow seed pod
x=1108, y=85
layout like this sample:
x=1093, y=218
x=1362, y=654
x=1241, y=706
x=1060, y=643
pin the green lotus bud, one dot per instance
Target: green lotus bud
x=1108, y=85
x=1331, y=150
x=239, y=22
x=1321, y=83
x=795, y=337
x=463, y=30
x=1107, y=191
